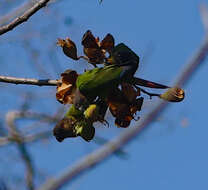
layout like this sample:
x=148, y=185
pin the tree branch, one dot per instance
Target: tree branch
x=23, y=18
x=16, y=12
x=12, y=116
x=96, y=157
x=17, y=137
x=14, y=80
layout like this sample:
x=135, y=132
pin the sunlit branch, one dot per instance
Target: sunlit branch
x=17, y=137
x=15, y=80
x=23, y=18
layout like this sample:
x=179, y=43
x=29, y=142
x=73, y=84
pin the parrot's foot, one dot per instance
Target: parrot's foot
x=148, y=93
x=106, y=123
x=136, y=119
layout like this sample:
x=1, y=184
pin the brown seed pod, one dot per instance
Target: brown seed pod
x=69, y=48
x=66, y=89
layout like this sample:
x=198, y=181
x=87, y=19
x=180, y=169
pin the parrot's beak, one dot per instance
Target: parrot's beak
x=59, y=139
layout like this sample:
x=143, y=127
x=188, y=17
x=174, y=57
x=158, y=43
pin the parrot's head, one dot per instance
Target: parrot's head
x=71, y=127
x=123, y=55
x=64, y=128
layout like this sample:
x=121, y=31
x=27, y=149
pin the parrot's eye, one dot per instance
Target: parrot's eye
x=124, y=56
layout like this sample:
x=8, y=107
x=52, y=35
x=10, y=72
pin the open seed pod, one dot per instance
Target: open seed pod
x=69, y=48
x=66, y=89
x=94, y=49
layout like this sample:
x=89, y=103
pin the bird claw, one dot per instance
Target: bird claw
x=105, y=122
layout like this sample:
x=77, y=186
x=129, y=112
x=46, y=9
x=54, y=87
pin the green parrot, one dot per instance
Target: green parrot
x=99, y=82
x=75, y=123
x=93, y=88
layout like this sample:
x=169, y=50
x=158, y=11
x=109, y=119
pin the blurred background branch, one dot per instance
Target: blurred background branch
x=24, y=17
x=17, y=137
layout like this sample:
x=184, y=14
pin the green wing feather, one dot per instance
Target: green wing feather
x=99, y=81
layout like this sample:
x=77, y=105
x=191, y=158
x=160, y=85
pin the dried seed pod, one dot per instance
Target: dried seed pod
x=69, y=48
x=94, y=49
x=66, y=89
x=174, y=94
x=107, y=43
x=89, y=41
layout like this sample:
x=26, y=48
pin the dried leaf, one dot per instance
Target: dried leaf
x=66, y=89
x=174, y=94
x=69, y=48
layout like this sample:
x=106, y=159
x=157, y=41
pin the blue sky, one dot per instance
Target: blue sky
x=166, y=156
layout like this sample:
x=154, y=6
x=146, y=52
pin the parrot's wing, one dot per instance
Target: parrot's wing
x=99, y=80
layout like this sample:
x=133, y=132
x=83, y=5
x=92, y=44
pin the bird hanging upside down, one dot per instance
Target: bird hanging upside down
x=112, y=86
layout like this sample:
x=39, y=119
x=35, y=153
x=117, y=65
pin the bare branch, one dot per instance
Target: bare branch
x=14, y=80
x=128, y=135
x=29, y=166
x=17, y=137
x=14, y=115
x=4, y=141
x=16, y=12
x=23, y=18
x=204, y=15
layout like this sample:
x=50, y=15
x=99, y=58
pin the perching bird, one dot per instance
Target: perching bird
x=93, y=87
x=99, y=82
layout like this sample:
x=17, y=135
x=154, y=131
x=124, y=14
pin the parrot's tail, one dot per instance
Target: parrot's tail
x=149, y=84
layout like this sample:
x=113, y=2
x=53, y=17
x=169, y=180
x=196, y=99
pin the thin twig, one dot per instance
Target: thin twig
x=96, y=157
x=23, y=18
x=17, y=137
x=16, y=12
x=27, y=138
x=15, y=80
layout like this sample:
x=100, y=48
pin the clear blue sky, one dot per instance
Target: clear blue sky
x=168, y=155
